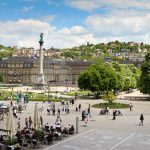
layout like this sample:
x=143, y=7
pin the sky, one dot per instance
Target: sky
x=69, y=23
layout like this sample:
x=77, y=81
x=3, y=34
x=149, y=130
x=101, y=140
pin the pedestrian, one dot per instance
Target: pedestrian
x=58, y=120
x=89, y=112
x=85, y=121
x=114, y=114
x=26, y=122
x=53, y=111
x=141, y=119
x=79, y=107
x=25, y=105
x=18, y=123
x=76, y=108
x=58, y=112
x=15, y=112
x=30, y=122
x=131, y=106
x=41, y=120
x=72, y=102
x=49, y=110
x=83, y=115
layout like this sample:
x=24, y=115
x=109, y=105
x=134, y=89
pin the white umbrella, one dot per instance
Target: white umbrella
x=36, y=118
x=10, y=123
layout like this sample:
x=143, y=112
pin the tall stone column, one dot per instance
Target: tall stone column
x=41, y=57
x=41, y=73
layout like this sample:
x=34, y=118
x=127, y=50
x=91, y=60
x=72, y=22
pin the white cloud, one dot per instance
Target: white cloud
x=26, y=33
x=123, y=26
x=89, y=5
x=75, y=30
x=118, y=25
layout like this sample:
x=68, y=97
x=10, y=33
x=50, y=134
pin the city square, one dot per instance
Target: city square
x=101, y=131
x=75, y=75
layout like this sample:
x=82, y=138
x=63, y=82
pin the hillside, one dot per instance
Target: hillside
x=5, y=51
x=102, y=50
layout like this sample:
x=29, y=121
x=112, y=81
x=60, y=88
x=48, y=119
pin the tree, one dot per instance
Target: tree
x=120, y=74
x=100, y=77
x=110, y=97
x=145, y=75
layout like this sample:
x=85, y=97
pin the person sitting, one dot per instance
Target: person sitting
x=57, y=135
x=69, y=126
x=103, y=111
x=49, y=138
x=47, y=127
x=71, y=130
x=34, y=142
x=65, y=131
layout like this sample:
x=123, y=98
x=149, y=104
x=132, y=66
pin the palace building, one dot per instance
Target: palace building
x=25, y=70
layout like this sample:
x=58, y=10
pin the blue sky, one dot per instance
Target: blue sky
x=68, y=23
x=38, y=9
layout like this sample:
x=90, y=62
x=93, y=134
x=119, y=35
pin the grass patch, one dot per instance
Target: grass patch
x=81, y=93
x=111, y=105
x=31, y=96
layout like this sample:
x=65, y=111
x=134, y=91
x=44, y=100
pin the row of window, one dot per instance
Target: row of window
x=16, y=65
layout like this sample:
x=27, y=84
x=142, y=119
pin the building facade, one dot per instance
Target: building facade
x=25, y=70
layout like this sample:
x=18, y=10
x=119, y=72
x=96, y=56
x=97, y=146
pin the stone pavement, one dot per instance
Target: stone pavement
x=96, y=139
x=101, y=132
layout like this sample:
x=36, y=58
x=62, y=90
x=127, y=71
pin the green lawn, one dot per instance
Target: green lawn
x=31, y=96
x=81, y=93
x=111, y=106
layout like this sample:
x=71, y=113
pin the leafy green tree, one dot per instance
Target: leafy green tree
x=100, y=77
x=145, y=75
x=120, y=75
x=110, y=97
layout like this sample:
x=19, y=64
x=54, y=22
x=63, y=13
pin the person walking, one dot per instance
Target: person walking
x=114, y=114
x=141, y=119
x=58, y=111
x=41, y=120
x=30, y=122
x=89, y=112
x=18, y=123
x=79, y=107
x=131, y=106
x=58, y=120
x=26, y=122
x=49, y=110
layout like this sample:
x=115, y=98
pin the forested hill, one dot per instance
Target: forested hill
x=5, y=51
x=105, y=49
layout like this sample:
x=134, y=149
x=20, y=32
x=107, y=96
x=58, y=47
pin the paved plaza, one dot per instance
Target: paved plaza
x=96, y=139
x=102, y=132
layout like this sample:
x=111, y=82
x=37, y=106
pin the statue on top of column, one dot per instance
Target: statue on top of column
x=41, y=39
